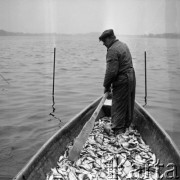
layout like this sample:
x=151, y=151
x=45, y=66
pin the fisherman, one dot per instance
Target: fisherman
x=120, y=79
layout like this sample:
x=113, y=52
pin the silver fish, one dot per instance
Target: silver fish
x=72, y=176
x=124, y=154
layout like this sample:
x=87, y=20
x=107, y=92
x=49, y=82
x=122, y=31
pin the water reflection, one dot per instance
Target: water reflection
x=53, y=109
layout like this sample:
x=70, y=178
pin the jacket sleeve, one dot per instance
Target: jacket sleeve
x=112, y=67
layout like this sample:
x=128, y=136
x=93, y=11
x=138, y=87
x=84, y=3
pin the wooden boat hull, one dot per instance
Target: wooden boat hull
x=159, y=141
x=47, y=157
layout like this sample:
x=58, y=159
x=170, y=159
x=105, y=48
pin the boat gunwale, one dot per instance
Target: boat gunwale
x=50, y=141
x=159, y=127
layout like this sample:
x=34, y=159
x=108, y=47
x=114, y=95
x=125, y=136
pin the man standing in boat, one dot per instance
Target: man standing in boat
x=120, y=77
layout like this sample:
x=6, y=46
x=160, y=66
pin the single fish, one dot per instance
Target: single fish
x=72, y=176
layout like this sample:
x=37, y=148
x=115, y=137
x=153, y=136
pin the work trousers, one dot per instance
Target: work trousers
x=123, y=99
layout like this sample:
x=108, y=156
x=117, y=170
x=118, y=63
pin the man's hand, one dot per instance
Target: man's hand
x=107, y=90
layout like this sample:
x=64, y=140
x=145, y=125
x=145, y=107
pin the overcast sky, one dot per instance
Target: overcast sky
x=83, y=16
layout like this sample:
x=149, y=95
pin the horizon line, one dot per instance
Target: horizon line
x=80, y=33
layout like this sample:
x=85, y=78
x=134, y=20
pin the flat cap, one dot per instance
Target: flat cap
x=106, y=33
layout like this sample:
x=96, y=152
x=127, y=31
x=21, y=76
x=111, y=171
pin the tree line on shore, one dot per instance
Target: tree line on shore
x=164, y=35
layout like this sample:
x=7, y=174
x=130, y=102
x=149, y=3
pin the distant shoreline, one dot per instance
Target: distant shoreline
x=164, y=35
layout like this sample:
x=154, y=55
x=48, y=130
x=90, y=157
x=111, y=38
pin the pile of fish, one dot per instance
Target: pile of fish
x=106, y=156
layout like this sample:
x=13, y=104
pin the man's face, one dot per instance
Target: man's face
x=106, y=42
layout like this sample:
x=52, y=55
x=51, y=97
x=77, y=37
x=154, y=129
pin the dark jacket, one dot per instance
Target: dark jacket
x=118, y=63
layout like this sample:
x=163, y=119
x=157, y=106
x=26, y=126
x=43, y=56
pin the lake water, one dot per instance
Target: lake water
x=28, y=117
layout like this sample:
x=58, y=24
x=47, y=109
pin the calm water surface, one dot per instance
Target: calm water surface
x=27, y=117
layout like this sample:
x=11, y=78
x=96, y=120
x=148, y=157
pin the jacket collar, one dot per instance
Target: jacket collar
x=112, y=43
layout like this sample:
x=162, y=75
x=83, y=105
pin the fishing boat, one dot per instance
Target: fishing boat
x=151, y=132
